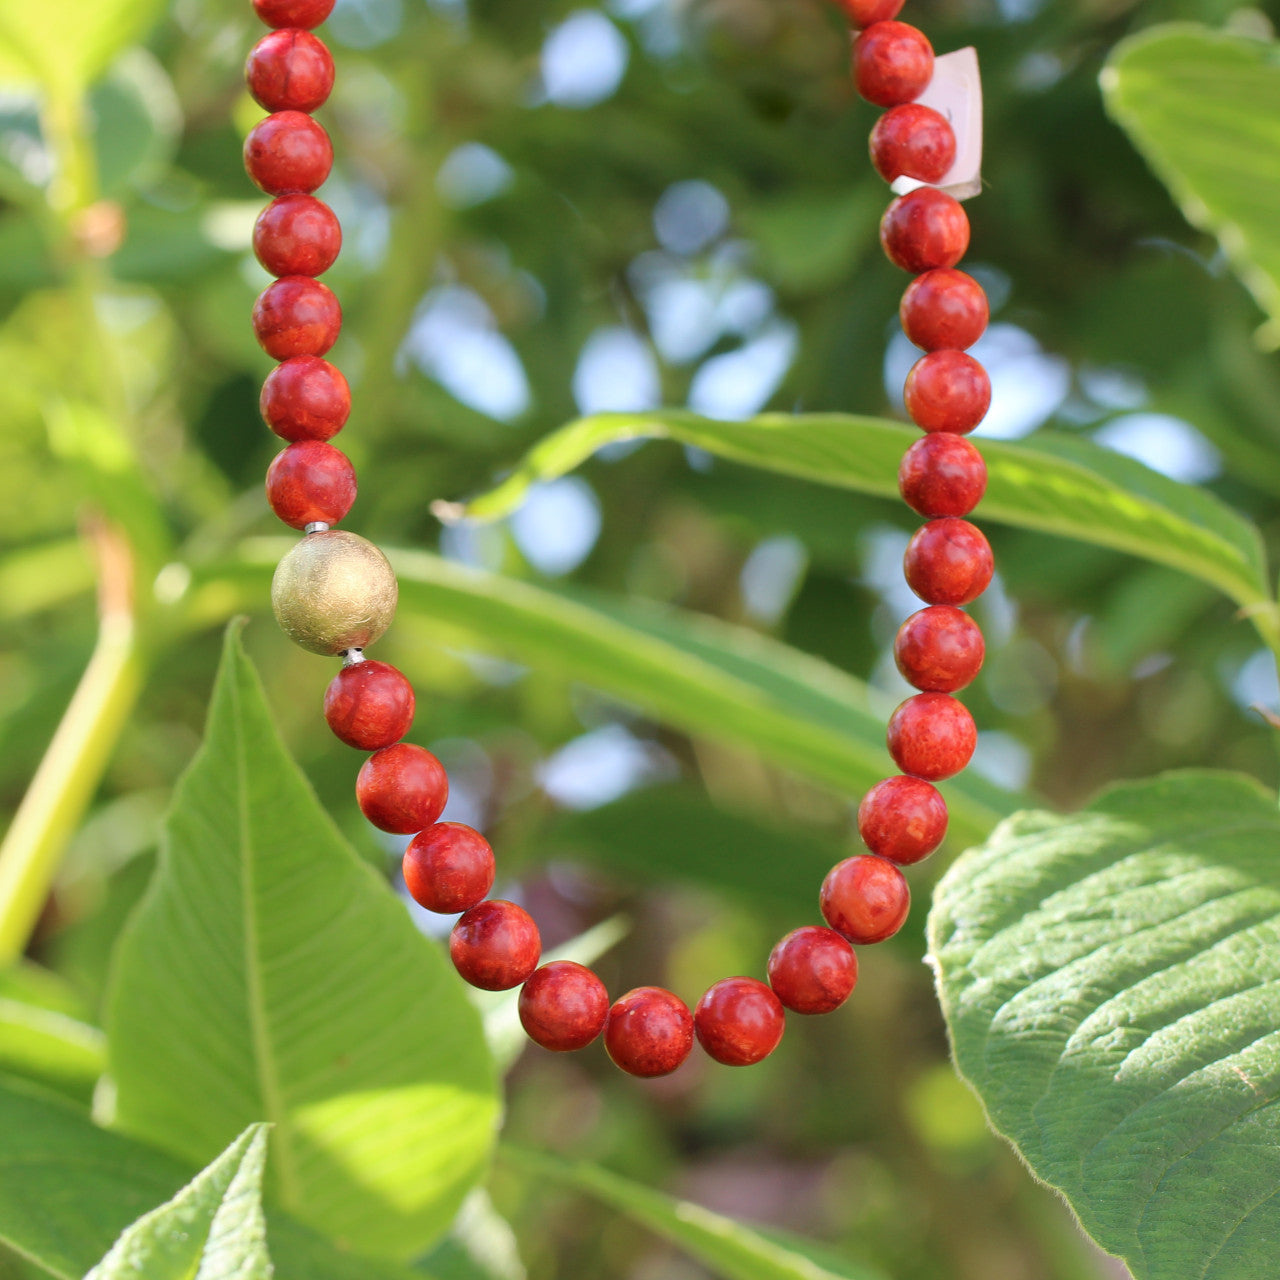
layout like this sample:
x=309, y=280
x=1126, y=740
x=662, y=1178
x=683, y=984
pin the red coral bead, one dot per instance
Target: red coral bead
x=932, y=736
x=311, y=482
x=296, y=316
x=739, y=1021
x=369, y=705
x=289, y=71
x=862, y=13
x=948, y=561
x=813, y=970
x=892, y=63
x=563, y=1006
x=939, y=649
x=925, y=229
x=297, y=236
x=649, y=1032
x=448, y=867
x=865, y=899
x=495, y=946
x=912, y=141
x=402, y=788
x=942, y=475
x=944, y=309
x=293, y=13
x=288, y=152
x=903, y=819
x=947, y=391
x=305, y=398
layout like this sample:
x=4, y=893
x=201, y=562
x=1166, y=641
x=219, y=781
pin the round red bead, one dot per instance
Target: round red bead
x=939, y=649
x=947, y=391
x=448, y=867
x=862, y=13
x=288, y=152
x=402, y=788
x=369, y=705
x=903, y=819
x=925, y=229
x=311, y=482
x=932, y=736
x=297, y=236
x=289, y=71
x=942, y=475
x=912, y=141
x=944, y=308
x=305, y=398
x=866, y=899
x=948, y=561
x=739, y=1021
x=813, y=970
x=892, y=63
x=293, y=13
x=649, y=1032
x=296, y=316
x=495, y=946
x=563, y=1006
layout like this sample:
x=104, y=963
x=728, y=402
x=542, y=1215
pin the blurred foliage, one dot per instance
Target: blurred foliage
x=495, y=238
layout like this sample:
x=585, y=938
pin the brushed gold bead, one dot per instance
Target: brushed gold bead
x=334, y=591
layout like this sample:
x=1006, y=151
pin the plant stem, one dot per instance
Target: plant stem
x=74, y=763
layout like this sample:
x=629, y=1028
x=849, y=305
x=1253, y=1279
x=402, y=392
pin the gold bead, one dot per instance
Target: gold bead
x=334, y=591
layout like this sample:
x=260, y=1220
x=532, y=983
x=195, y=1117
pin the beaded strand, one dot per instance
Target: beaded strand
x=334, y=593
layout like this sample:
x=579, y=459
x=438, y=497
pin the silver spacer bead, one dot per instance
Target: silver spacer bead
x=316, y=526
x=352, y=657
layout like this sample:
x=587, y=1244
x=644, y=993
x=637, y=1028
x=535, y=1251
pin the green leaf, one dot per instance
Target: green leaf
x=689, y=670
x=43, y=1036
x=726, y=1247
x=1204, y=109
x=65, y=44
x=68, y=1188
x=269, y=974
x=1051, y=483
x=1111, y=983
x=213, y=1229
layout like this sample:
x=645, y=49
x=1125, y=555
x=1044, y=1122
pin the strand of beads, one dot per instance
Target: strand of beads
x=335, y=593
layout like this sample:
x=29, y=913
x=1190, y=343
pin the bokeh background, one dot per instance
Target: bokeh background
x=554, y=210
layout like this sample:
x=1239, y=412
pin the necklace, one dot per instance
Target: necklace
x=334, y=593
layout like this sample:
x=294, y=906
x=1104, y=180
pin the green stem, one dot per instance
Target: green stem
x=73, y=765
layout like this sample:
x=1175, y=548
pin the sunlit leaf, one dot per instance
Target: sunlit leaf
x=213, y=1229
x=43, y=1035
x=1051, y=483
x=270, y=975
x=1111, y=982
x=68, y=1189
x=1203, y=107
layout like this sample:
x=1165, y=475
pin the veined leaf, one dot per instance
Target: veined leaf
x=1203, y=107
x=1111, y=983
x=1052, y=483
x=68, y=1188
x=270, y=974
x=729, y=1248
x=213, y=1229
x=695, y=672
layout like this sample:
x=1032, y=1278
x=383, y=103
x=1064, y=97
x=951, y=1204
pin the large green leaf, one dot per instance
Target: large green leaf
x=68, y=1188
x=1204, y=109
x=1111, y=983
x=269, y=974
x=1052, y=483
x=728, y=1248
x=689, y=670
x=213, y=1229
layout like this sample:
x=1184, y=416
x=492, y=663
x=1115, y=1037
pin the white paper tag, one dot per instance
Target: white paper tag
x=956, y=93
